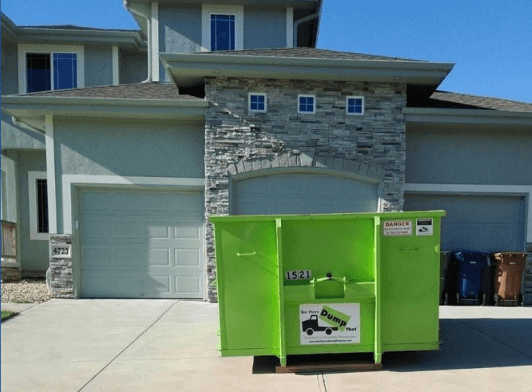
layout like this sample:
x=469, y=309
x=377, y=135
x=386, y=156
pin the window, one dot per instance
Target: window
x=222, y=32
x=307, y=104
x=222, y=27
x=38, y=206
x=40, y=68
x=355, y=105
x=257, y=102
x=50, y=67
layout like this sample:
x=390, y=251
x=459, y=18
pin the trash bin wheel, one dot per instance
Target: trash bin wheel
x=497, y=300
x=446, y=299
x=310, y=331
x=328, y=331
x=457, y=298
x=484, y=299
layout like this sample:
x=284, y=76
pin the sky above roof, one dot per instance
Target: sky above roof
x=489, y=40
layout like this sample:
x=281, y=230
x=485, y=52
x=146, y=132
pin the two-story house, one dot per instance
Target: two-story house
x=241, y=114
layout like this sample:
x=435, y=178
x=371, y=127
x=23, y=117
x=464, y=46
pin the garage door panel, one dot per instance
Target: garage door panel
x=303, y=194
x=476, y=222
x=187, y=257
x=132, y=249
x=187, y=284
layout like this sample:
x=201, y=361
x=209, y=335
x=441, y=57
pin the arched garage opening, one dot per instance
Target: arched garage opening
x=303, y=192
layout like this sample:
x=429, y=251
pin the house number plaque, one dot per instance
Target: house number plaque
x=61, y=251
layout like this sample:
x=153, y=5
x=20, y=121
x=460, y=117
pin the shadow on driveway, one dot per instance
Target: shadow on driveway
x=467, y=344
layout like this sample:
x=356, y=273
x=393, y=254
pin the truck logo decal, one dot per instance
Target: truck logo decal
x=330, y=323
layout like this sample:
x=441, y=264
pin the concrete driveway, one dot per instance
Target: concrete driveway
x=167, y=345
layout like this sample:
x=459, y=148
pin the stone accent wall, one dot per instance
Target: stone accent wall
x=236, y=141
x=61, y=269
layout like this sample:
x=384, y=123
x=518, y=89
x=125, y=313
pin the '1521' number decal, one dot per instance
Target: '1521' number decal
x=298, y=275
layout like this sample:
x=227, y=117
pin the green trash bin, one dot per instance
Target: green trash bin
x=335, y=283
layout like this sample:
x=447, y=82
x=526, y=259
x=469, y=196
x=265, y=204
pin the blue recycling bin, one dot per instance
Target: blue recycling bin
x=471, y=266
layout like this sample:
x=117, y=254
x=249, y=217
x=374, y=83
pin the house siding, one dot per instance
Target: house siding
x=19, y=137
x=237, y=141
x=264, y=28
x=133, y=67
x=126, y=148
x=465, y=156
x=9, y=69
x=98, y=65
x=33, y=254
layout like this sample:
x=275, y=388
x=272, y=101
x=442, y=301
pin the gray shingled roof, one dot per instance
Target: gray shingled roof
x=74, y=27
x=306, y=53
x=444, y=99
x=151, y=90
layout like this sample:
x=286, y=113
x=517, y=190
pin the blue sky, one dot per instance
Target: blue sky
x=489, y=40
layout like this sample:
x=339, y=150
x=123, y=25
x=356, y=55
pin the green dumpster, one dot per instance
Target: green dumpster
x=335, y=283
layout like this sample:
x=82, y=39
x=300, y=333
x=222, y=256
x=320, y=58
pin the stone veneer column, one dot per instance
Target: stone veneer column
x=237, y=141
x=61, y=269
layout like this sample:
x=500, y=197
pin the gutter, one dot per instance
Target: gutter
x=467, y=116
x=148, y=21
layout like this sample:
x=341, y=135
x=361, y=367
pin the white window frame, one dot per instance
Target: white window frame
x=23, y=49
x=265, y=103
x=306, y=96
x=33, y=176
x=347, y=106
x=209, y=9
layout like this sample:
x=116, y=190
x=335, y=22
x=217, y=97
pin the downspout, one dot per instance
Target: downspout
x=148, y=21
x=303, y=20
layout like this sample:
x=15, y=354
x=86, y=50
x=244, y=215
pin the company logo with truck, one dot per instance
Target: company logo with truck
x=330, y=323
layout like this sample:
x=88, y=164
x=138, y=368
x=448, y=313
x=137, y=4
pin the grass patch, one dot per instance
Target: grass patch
x=6, y=314
x=21, y=302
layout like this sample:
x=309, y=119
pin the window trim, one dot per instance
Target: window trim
x=299, y=103
x=347, y=105
x=49, y=49
x=265, y=103
x=209, y=9
x=33, y=176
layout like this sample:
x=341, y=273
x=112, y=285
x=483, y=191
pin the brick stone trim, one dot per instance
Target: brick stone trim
x=294, y=159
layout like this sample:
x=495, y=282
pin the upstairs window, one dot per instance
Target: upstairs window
x=355, y=105
x=306, y=104
x=257, y=102
x=222, y=32
x=222, y=27
x=50, y=67
x=51, y=71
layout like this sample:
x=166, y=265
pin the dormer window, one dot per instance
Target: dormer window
x=222, y=27
x=222, y=32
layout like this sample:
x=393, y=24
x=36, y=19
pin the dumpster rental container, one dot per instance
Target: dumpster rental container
x=510, y=267
x=471, y=266
x=336, y=283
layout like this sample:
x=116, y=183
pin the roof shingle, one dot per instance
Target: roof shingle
x=151, y=90
x=307, y=53
x=444, y=99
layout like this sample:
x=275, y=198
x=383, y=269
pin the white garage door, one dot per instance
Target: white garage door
x=141, y=244
x=303, y=194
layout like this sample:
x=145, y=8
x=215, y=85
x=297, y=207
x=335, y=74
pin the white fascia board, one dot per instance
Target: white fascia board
x=183, y=66
x=290, y=27
x=70, y=180
x=116, y=65
x=50, y=173
x=154, y=44
x=471, y=189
